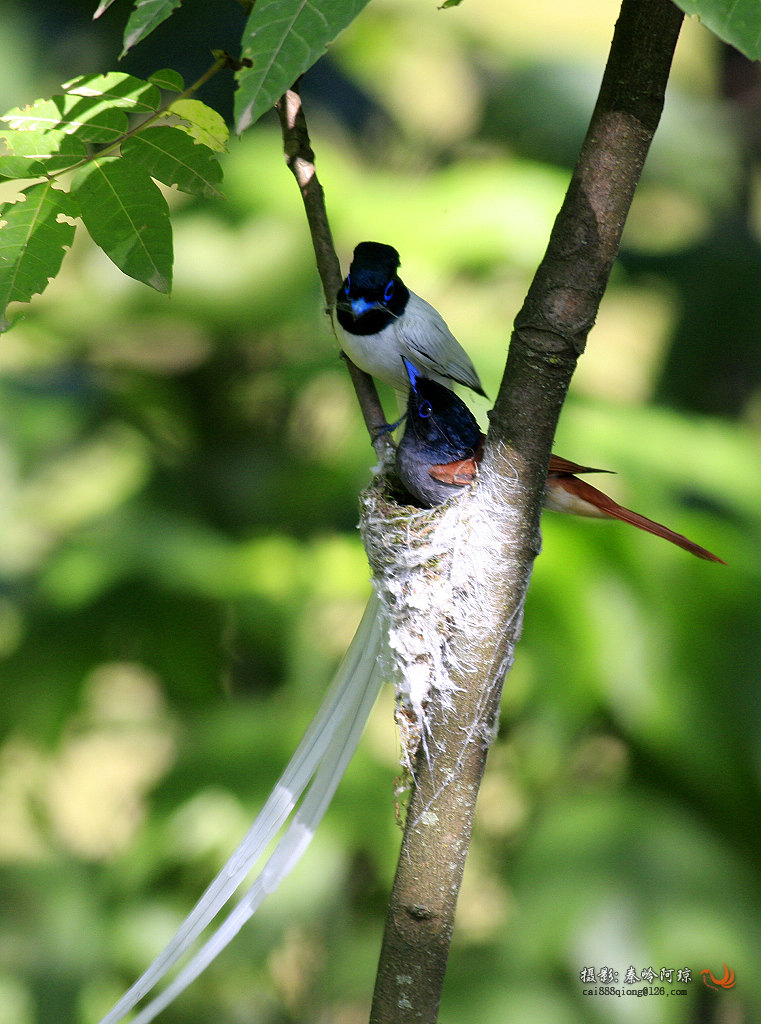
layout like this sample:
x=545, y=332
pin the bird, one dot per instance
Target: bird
x=442, y=446
x=440, y=431
x=381, y=320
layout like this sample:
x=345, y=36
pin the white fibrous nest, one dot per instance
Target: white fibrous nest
x=433, y=570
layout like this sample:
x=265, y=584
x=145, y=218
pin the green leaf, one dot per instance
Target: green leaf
x=283, y=38
x=116, y=89
x=14, y=167
x=147, y=15
x=127, y=216
x=167, y=79
x=200, y=122
x=171, y=156
x=88, y=116
x=33, y=239
x=32, y=154
x=102, y=7
x=735, y=21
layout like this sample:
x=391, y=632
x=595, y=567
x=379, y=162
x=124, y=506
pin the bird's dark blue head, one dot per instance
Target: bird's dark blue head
x=372, y=294
x=440, y=422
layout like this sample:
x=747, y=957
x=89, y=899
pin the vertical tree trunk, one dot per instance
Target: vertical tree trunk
x=495, y=536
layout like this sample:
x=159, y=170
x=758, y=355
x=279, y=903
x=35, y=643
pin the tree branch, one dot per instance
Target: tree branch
x=501, y=519
x=299, y=157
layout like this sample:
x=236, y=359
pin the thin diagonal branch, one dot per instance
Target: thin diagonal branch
x=299, y=156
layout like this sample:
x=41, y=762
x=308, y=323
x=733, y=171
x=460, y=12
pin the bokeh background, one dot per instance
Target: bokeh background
x=180, y=569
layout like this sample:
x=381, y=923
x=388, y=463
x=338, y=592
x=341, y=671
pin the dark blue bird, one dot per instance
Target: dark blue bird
x=442, y=446
x=440, y=432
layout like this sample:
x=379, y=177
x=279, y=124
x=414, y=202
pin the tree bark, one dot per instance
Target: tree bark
x=501, y=519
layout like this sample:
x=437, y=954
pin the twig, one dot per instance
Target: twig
x=299, y=157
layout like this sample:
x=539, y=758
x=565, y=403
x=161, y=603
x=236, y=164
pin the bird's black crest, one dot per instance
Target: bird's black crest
x=376, y=257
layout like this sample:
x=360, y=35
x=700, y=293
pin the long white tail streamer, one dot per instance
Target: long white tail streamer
x=321, y=758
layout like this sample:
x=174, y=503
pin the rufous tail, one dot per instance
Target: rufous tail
x=566, y=493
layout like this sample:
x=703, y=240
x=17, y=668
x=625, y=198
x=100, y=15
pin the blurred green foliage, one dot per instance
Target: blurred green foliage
x=180, y=569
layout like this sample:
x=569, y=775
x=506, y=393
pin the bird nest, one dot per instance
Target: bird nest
x=433, y=573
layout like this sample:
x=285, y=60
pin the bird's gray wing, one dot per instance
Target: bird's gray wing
x=433, y=348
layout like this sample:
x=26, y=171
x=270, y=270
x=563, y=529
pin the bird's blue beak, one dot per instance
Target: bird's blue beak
x=361, y=305
x=412, y=373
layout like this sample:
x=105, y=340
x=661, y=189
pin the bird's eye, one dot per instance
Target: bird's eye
x=389, y=291
x=424, y=410
x=347, y=286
